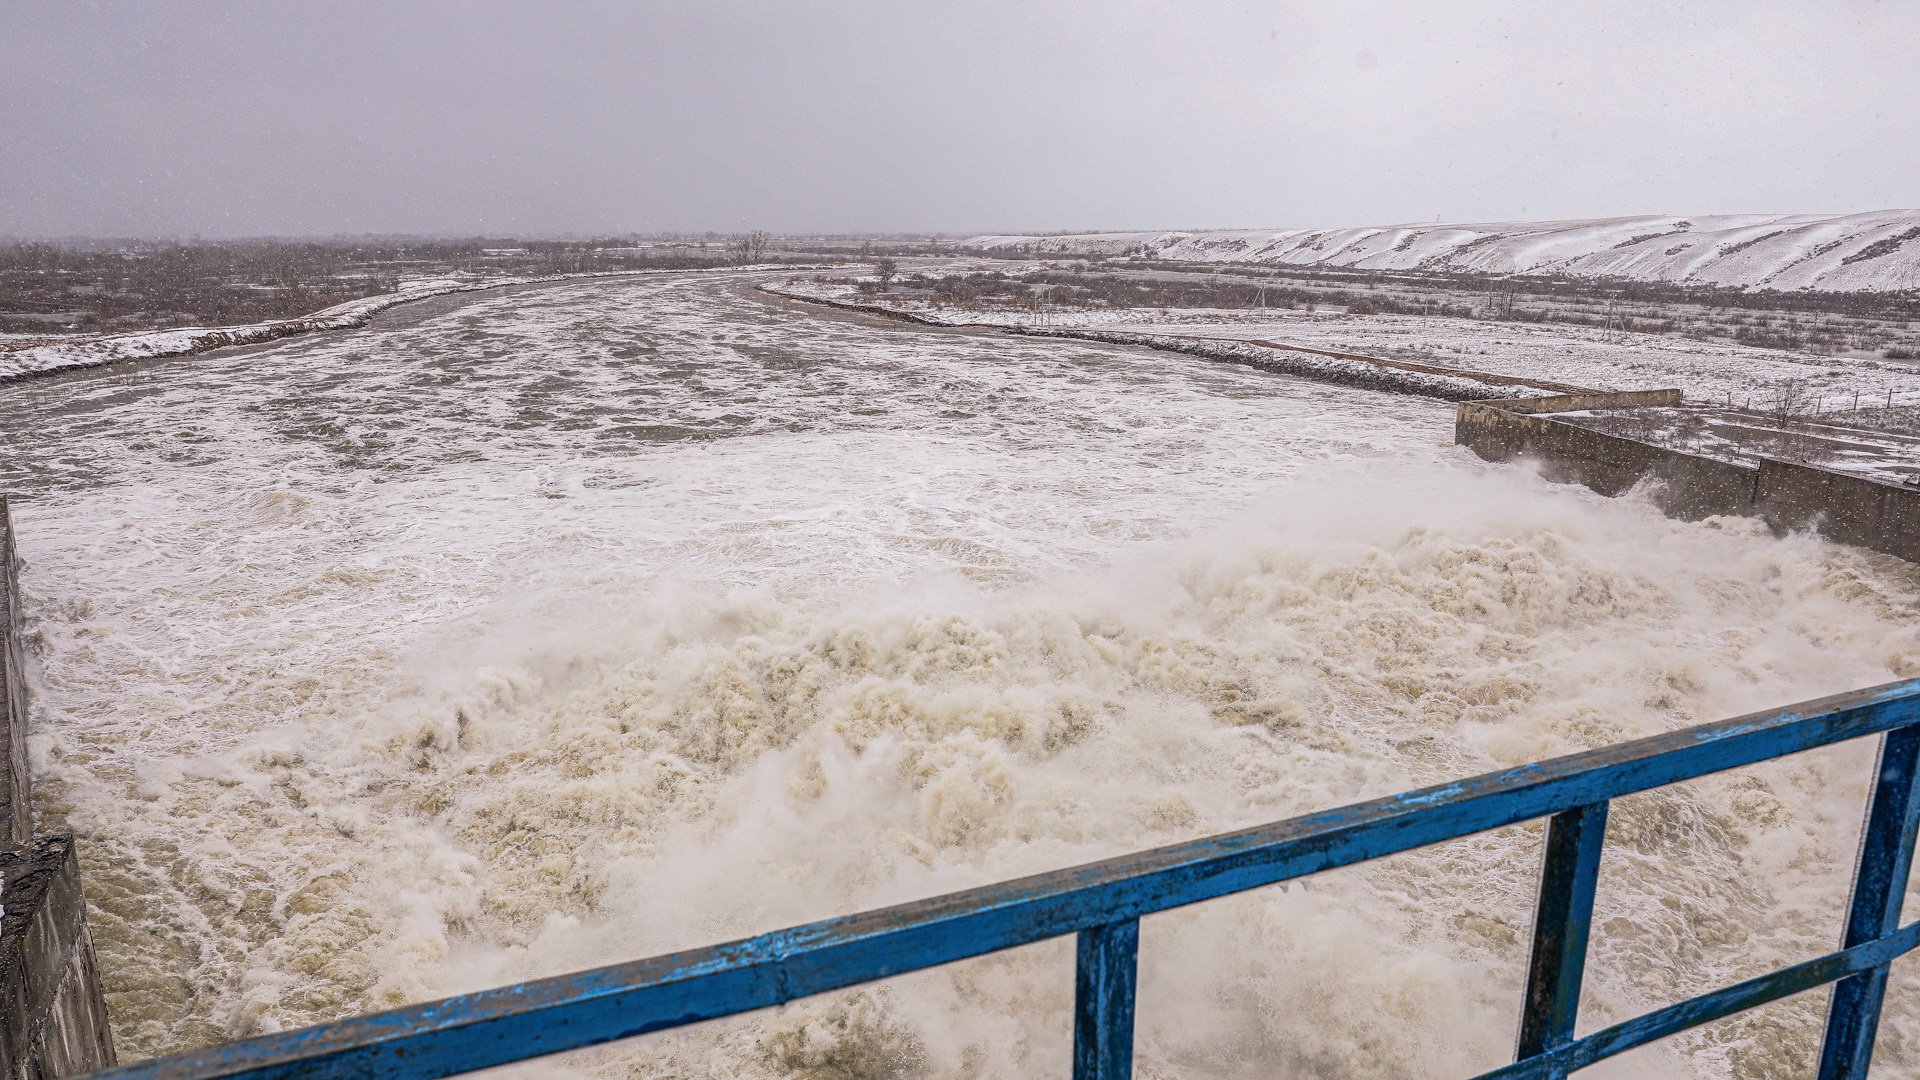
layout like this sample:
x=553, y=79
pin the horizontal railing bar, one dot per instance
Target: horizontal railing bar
x=566, y=1012
x=1693, y=1012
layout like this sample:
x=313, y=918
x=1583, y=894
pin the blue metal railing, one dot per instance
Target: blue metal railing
x=1102, y=902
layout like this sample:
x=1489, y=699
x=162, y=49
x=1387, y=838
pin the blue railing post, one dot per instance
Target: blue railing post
x=1561, y=922
x=1103, y=1002
x=1879, y=890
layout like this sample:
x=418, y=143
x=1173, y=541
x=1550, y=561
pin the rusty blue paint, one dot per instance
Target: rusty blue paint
x=1570, y=870
x=1657, y=1025
x=1879, y=888
x=546, y=1016
x=1103, y=994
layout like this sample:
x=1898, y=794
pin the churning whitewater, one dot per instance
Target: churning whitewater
x=524, y=633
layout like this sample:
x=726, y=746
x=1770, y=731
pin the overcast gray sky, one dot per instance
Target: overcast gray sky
x=219, y=119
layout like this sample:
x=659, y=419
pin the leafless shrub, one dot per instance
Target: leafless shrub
x=747, y=247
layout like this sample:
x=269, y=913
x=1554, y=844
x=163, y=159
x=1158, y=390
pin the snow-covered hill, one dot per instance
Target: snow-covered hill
x=1872, y=251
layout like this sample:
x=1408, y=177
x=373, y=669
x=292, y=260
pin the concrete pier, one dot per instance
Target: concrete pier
x=53, y=1016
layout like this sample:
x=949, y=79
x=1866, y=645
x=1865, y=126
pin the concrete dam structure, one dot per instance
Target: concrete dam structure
x=1863, y=510
x=53, y=1017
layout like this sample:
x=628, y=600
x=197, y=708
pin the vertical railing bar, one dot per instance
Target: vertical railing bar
x=1103, y=996
x=1879, y=890
x=1562, y=920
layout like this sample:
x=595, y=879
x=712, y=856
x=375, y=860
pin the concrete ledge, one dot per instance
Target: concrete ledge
x=53, y=1019
x=1786, y=495
x=1576, y=402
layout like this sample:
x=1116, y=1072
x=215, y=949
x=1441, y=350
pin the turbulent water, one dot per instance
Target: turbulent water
x=515, y=635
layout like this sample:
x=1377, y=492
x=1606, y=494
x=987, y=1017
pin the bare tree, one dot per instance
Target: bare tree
x=1791, y=402
x=885, y=268
x=747, y=248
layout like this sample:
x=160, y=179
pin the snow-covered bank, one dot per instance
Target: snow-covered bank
x=1489, y=357
x=94, y=351
x=1877, y=251
x=1366, y=373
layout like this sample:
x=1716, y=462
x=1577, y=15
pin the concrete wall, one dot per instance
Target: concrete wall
x=16, y=794
x=1848, y=509
x=1576, y=402
x=53, y=1019
x=53, y=1016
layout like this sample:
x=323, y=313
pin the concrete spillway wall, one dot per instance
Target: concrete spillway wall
x=16, y=817
x=53, y=1016
x=1849, y=509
